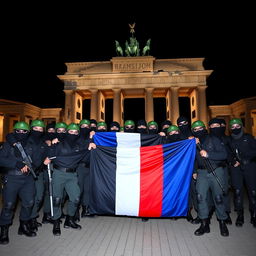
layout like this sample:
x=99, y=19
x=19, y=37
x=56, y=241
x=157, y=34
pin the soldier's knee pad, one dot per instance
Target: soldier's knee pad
x=29, y=204
x=199, y=198
x=218, y=199
x=76, y=201
x=8, y=208
x=57, y=201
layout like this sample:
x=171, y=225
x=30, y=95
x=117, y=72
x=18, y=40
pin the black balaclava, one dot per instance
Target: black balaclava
x=85, y=132
x=60, y=136
x=237, y=133
x=93, y=121
x=173, y=138
x=152, y=131
x=201, y=135
x=114, y=123
x=21, y=137
x=71, y=138
x=142, y=130
x=166, y=122
x=216, y=131
x=184, y=129
x=223, y=128
x=50, y=135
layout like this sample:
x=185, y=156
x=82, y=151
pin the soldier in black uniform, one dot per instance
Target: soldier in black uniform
x=83, y=172
x=114, y=127
x=186, y=133
x=165, y=125
x=243, y=169
x=152, y=127
x=141, y=126
x=69, y=153
x=129, y=126
x=17, y=182
x=39, y=154
x=210, y=154
x=217, y=128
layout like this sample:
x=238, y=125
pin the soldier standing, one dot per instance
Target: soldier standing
x=210, y=154
x=17, y=182
x=69, y=152
x=243, y=168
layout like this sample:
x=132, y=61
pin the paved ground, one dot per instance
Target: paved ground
x=103, y=235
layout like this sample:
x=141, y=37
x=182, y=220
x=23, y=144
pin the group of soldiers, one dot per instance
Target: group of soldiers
x=59, y=171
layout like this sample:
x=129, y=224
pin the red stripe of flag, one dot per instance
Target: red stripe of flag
x=151, y=181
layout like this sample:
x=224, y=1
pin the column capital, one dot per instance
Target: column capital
x=201, y=88
x=149, y=89
x=174, y=88
x=68, y=91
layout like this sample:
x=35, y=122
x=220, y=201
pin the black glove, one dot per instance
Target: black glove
x=20, y=165
x=10, y=138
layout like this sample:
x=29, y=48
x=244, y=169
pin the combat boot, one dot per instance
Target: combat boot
x=34, y=224
x=240, y=219
x=86, y=212
x=228, y=220
x=70, y=223
x=4, y=238
x=204, y=228
x=77, y=215
x=47, y=218
x=196, y=220
x=56, y=228
x=24, y=229
x=223, y=228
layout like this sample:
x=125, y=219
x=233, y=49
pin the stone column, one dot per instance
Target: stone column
x=149, y=104
x=202, y=107
x=174, y=99
x=117, y=105
x=94, y=104
x=68, y=116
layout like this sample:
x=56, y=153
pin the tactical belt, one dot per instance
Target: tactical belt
x=63, y=169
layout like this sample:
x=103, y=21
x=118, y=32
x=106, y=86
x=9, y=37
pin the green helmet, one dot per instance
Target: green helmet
x=121, y=128
x=129, y=122
x=73, y=126
x=61, y=125
x=84, y=121
x=197, y=124
x=101, y=124
x=235, y=121
x=152, y=123
x=21, y=126
x=173, y=128
x=37, y=122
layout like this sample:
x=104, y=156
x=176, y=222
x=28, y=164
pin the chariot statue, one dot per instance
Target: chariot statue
x=132, y=48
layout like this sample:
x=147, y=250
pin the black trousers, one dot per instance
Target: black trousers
x=22, y=186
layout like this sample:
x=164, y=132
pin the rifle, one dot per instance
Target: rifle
x=26, y=159
x=50, y=188
x=209, y=167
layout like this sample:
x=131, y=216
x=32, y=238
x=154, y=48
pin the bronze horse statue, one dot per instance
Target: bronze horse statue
x=146, y=48
x=119, y=49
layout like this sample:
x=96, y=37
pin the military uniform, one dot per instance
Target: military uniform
x=211, y=154
x=243, y=169
x=69, y=153
x=17, y=182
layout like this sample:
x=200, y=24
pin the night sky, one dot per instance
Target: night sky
x=38, y=39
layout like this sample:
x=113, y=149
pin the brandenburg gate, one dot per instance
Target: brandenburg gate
x=135, y=77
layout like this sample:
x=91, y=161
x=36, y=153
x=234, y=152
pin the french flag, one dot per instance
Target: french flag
x=151, y=181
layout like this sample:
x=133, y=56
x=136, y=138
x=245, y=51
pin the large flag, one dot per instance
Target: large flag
x=151, y=181
x=124, y=139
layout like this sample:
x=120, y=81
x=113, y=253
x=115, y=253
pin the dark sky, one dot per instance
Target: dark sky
x=38, y=39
